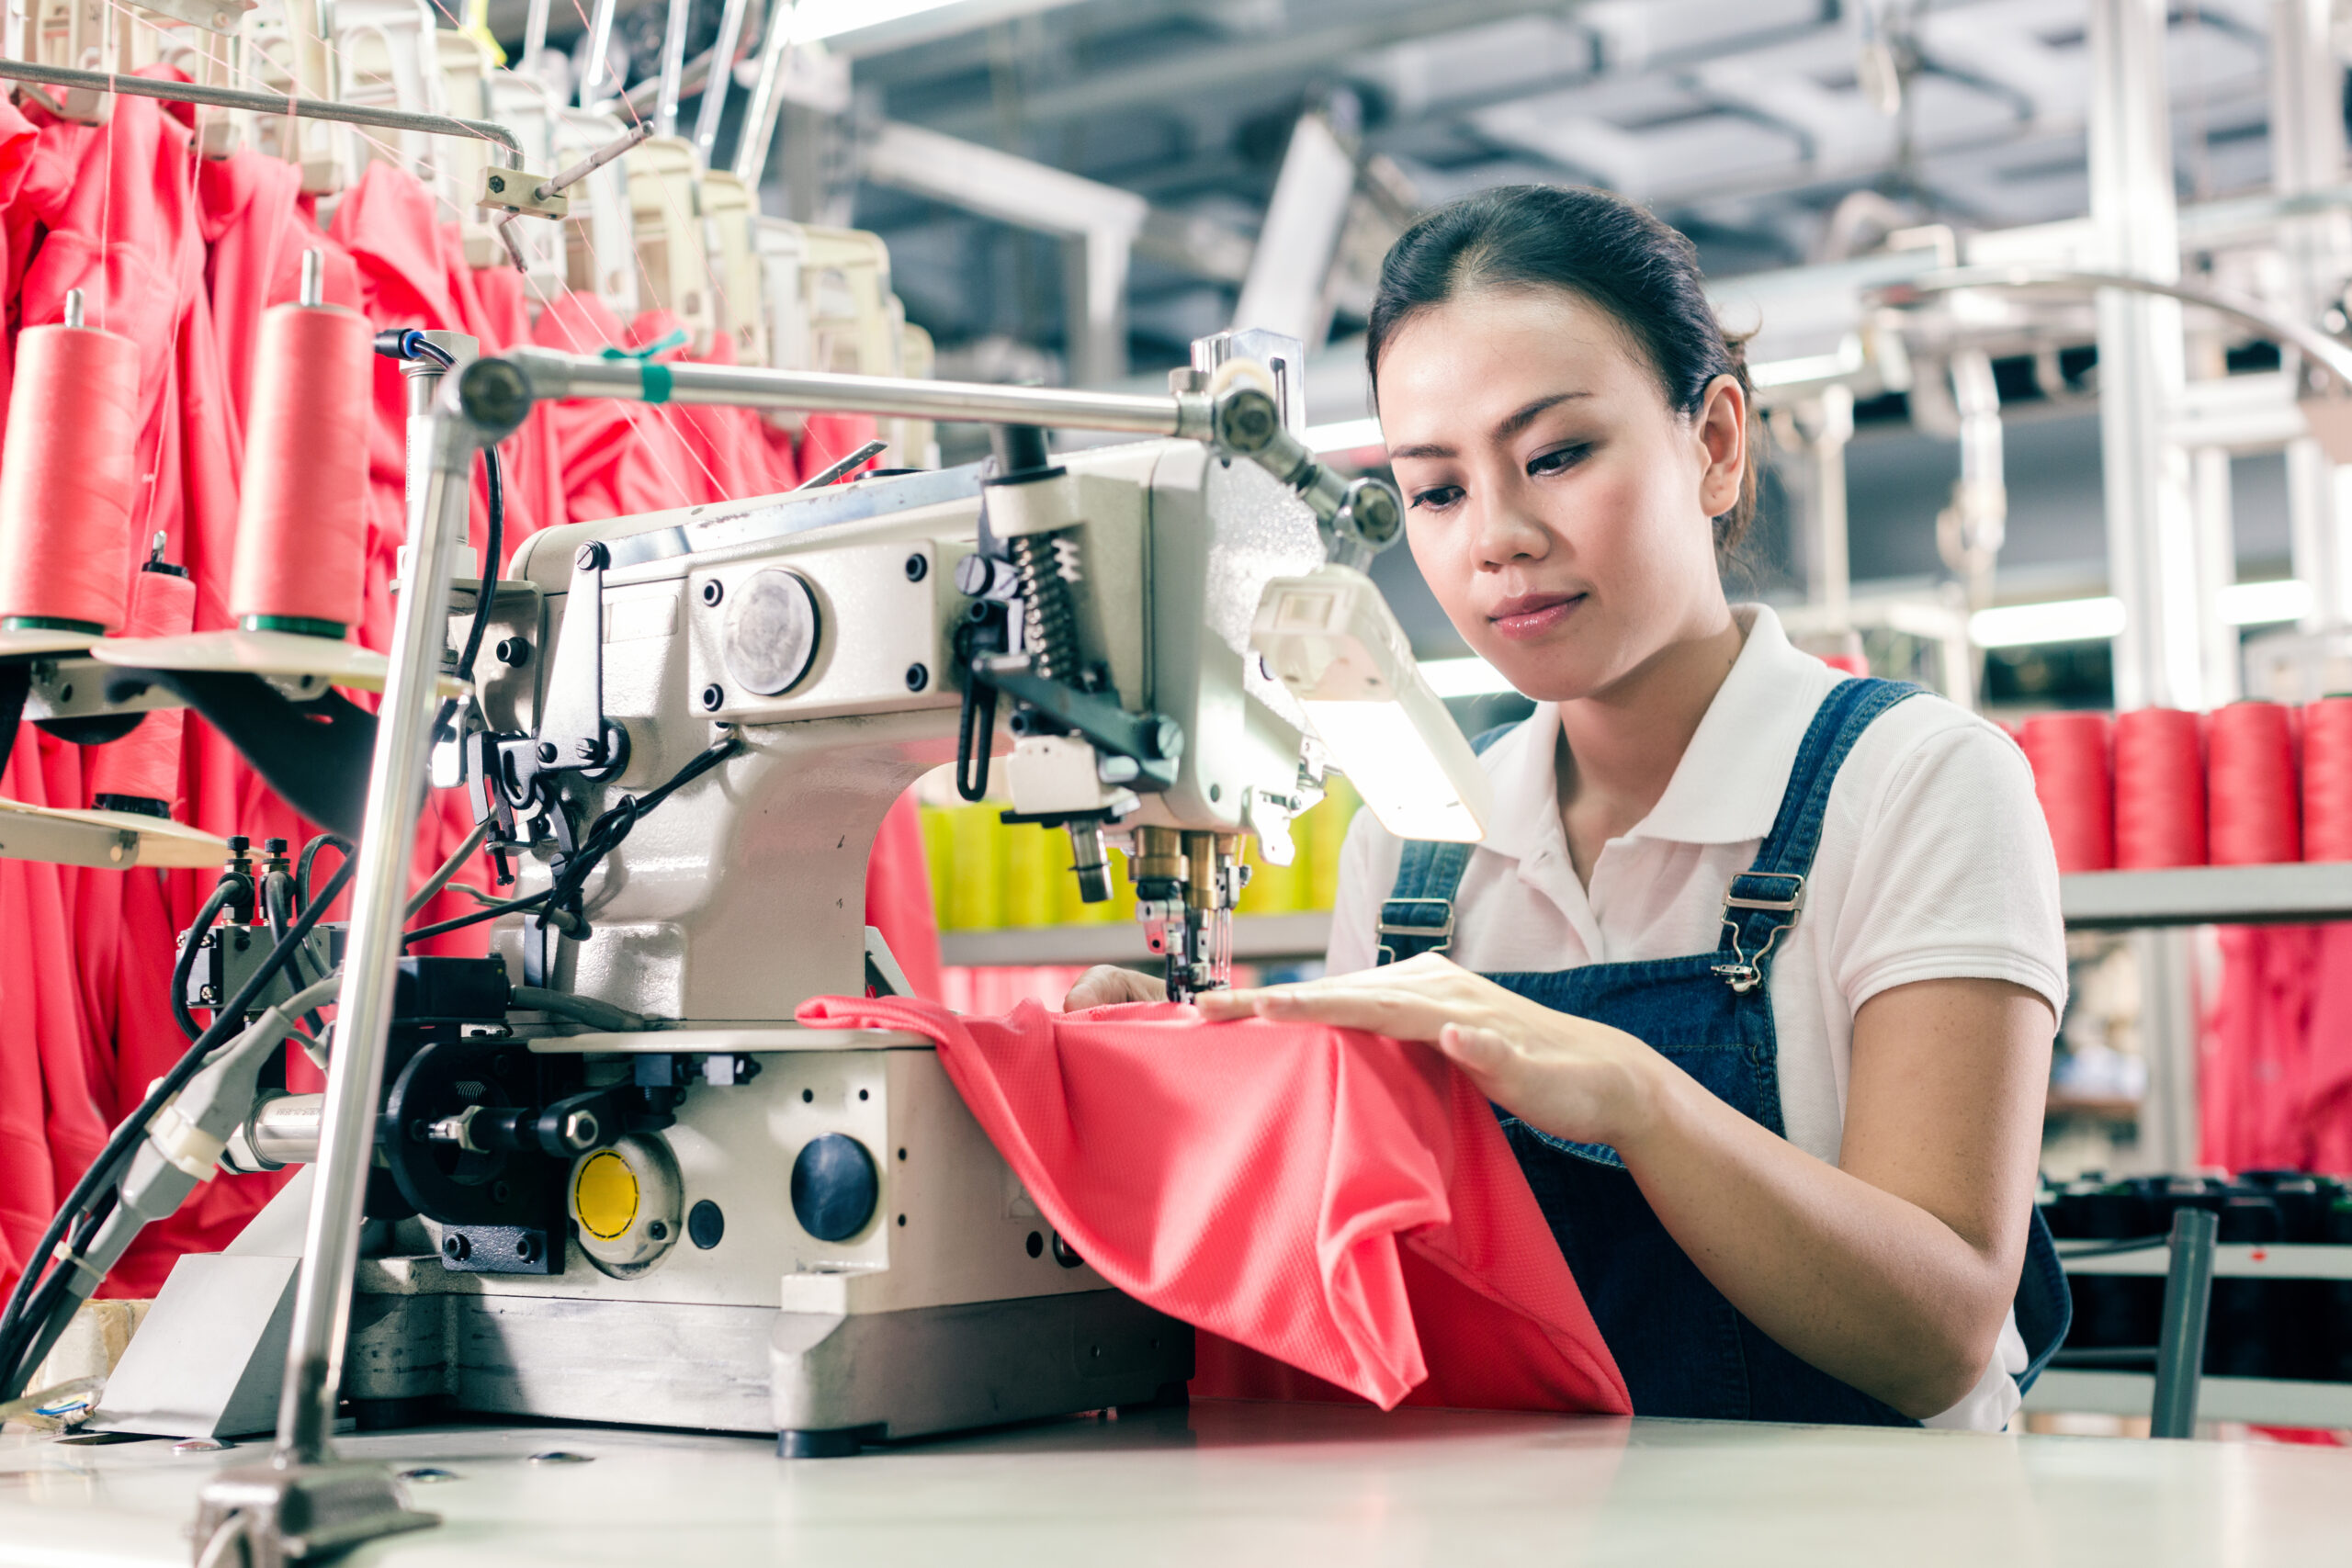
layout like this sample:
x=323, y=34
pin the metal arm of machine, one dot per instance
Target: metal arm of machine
x=301, y=1502
x=267, y=102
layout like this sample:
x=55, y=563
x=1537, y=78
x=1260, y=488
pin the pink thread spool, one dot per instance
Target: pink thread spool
x=2072, y=779
x=301, y=525
x=68, y=478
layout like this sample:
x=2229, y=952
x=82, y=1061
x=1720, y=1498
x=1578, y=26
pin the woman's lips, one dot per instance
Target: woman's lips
x=1532, y=614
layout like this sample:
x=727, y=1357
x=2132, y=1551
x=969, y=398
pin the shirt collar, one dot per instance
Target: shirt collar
x=1727, y=789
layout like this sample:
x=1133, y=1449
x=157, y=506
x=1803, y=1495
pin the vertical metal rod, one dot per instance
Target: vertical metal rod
x=1831, y=568
x=371, y=963
x=2151, y=541
x=758, y=130
x=2180, y=1351
x=314, y=288
x=74, y=308
x=535, y=35
x=717, y=79
x=673, y=67
x=600, y=48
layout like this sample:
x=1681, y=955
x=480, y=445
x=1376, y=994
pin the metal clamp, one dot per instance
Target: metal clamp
x=1745, y=974
x=1440, y=937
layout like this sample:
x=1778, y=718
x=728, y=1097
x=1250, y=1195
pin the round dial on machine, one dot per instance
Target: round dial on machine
x=625, y=1200
x=772, y=630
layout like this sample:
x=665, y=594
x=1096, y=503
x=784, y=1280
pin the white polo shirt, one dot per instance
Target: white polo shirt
x=1934, y=862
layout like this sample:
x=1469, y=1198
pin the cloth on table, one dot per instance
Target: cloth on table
x=1339, y=1202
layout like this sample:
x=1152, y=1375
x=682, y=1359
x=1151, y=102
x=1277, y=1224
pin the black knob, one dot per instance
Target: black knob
x=712, y=592
x=834, y=1187
x=713, y=697
x=918, y=677
x=512, y=653
x=917, y=568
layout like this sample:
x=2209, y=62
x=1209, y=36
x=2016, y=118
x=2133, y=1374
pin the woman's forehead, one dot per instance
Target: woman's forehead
x=1458, y=367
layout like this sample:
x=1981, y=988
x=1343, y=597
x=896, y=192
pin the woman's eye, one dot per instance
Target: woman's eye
x=1558, y=461
x=1437, y=498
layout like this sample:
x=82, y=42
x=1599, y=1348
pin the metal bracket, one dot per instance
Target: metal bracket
x=1154, y=744
x=521, y=192
x=218, y=16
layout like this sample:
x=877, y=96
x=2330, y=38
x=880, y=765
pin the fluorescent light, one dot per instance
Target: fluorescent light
x=1344, y=435
x=1334, y=644
x=2261, y=603
x=1471, y=677
x=2063, y=620
x=1402, y=781
x=813, y=19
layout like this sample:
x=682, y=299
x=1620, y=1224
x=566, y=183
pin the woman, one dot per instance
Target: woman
x=1760, y=965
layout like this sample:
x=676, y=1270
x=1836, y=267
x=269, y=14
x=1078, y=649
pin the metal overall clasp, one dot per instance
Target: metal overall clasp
x=1774, y=892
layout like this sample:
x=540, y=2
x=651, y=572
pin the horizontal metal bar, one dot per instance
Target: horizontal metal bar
x=555, y=375
x=2299, y=892
x=2231, y=1260
x=265, y=103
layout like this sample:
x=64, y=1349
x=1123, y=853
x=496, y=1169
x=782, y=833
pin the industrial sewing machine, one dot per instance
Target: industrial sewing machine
x=607, y=1178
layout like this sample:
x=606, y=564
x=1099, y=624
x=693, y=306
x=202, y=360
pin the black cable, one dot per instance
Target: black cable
x=603, y=836
x=124, y=1141
x=183, y=965
x=302, y=867
x=487, y=912
x=278, y=902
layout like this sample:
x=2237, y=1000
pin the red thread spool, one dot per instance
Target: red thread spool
x=2327, y=779
x=2250, y=786
x=2159, y=790
x=142, y=770
x=301, y=529
x=2069, y=754
x=69, y=478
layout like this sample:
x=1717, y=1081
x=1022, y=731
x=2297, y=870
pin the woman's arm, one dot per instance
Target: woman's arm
x=1891, y=1271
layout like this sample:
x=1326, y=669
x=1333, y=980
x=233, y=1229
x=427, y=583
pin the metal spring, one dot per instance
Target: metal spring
x=1048, y=565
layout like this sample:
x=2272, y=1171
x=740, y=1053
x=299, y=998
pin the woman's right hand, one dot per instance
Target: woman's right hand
x=1106, y=984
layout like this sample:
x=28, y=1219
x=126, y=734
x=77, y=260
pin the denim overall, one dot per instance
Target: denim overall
x=1684, y=1349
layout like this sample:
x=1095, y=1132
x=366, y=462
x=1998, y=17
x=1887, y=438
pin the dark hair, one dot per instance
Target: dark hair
x=1643, y=272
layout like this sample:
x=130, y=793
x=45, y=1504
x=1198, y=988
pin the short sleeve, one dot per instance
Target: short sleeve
x=1954, y=876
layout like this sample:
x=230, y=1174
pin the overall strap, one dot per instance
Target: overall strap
x=1418, y=915
x=1765, y=899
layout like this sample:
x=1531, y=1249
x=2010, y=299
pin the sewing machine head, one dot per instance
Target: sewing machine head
x=1084, y=620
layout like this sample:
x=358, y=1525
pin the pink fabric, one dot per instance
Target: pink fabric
x=1339, y=1201
x=898, y=899
x=2275, y=1063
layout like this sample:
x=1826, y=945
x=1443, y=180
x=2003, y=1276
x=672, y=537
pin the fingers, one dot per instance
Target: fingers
x=1106, y=984
x=1400, y=1014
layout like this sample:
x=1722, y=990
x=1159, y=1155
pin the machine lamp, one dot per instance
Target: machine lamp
x=1334, y=642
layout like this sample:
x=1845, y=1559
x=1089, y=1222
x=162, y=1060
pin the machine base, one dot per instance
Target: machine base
x=838, y=1381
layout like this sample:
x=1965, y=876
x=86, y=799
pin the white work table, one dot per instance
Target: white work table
x=1229, y=1484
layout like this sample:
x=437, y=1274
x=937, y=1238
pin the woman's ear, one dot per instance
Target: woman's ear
x=1722, y=429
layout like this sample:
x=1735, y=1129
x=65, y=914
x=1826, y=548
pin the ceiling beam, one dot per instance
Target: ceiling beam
x=1210, y=72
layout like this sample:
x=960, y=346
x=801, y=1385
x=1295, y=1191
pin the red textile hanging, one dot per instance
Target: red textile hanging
x=898, y=898
x=1339, y=1202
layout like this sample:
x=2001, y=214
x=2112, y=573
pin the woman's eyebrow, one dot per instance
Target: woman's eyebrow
x=1509, y=426
x=1513, y=424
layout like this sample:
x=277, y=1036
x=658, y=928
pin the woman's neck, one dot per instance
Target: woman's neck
x=1619, y=747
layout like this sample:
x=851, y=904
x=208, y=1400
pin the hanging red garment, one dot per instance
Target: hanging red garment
x=1339, y=1202
x=2274, y=1080
x=617, y=461
x=898, y=898
x=829, y=437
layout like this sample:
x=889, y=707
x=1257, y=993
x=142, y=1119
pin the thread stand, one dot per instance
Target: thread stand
x=107, y=840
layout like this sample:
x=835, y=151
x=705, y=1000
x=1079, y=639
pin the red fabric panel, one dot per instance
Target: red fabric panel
x=898, y=899
x=2274, y=1078
x=1342, y=1202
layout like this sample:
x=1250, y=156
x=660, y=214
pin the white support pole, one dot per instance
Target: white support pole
x=2307, y=154
x=1827, y=424
x=2217, y=569
x=2151, y=527
x=1285, y=290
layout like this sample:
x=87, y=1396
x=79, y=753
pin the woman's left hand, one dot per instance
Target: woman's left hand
x=1560, y=1073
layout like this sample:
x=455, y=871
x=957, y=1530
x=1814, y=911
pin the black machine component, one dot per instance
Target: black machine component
x=834, y=1187
x=2285, y=1328
x=705, y=1224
